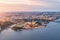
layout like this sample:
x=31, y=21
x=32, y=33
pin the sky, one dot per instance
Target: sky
x=29, y=5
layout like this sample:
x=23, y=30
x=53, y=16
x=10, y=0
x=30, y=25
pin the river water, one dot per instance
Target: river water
x=50, y=32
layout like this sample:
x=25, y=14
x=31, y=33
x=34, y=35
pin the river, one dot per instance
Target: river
x=50, y=32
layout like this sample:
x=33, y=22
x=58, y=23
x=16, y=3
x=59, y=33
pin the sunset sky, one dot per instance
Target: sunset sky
x=29, y=5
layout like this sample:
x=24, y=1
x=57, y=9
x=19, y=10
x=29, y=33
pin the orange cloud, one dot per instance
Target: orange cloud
x=20, y=5
x=14, y=7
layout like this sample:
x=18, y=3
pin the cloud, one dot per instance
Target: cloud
x=23, y=5
x=27, y=2
x=14, y=7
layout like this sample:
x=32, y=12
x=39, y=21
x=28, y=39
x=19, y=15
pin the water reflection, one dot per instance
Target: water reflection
x=38, y=22
x=50, y=32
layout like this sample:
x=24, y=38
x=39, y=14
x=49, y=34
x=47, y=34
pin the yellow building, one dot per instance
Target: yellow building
x=33, y=22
